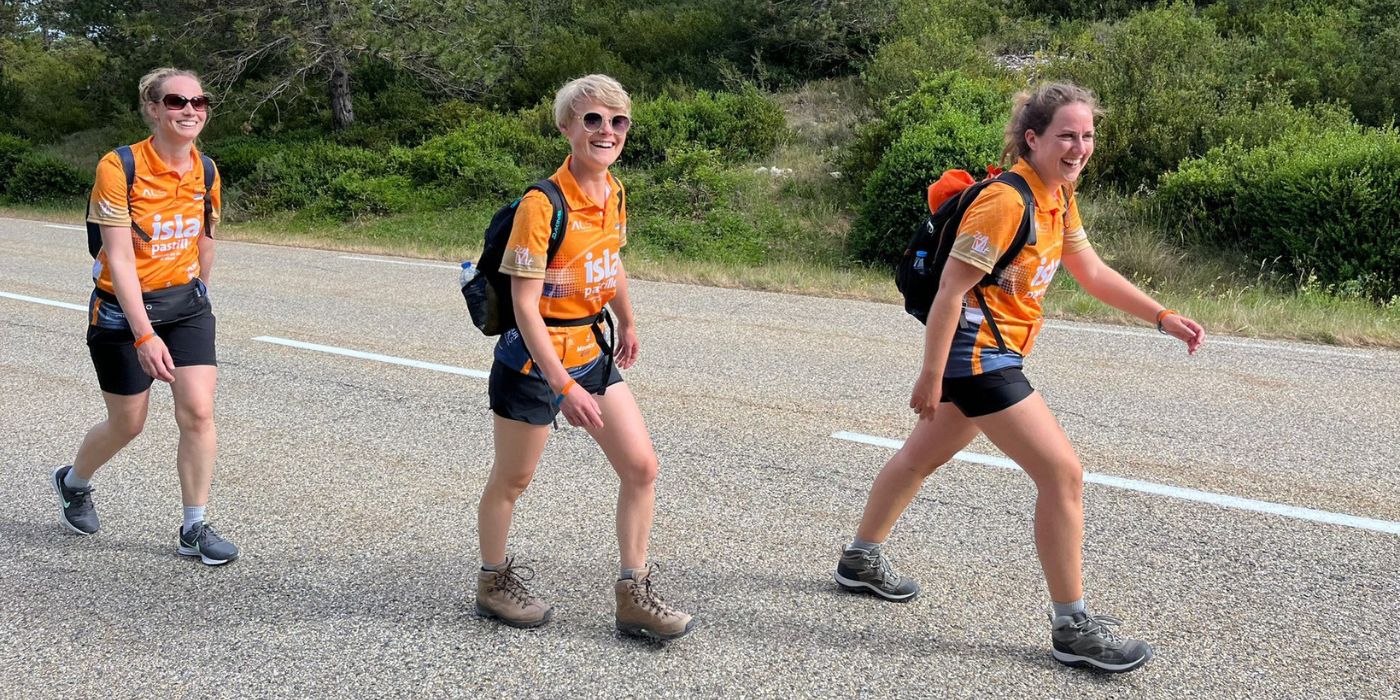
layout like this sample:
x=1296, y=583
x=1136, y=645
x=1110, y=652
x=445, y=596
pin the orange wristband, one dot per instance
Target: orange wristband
x=143, y=339
x=559, y=398
x=1162, y=315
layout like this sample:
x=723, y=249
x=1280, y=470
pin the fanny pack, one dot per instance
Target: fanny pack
x=168, y=305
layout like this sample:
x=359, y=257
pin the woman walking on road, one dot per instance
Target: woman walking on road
x=156, y=204
x=971, y=380
x=556, y=360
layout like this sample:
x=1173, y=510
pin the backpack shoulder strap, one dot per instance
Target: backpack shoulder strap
x=561, y=214
x=1025, y=234
x=210, y=173
x=128, y=160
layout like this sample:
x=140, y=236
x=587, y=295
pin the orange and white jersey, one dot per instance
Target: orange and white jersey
x=166, y=206
x=1014, y=302
x=581, y=278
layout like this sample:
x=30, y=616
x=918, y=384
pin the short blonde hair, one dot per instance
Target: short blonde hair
x=152, y=88
x=598, y=88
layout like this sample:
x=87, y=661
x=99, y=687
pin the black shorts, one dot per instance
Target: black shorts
x=987, y=393
x=186, y=327
x=528, y=398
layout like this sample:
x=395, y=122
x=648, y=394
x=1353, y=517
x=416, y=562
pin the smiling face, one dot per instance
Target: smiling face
x=177, y=125
x=596, y=150
x=1059, y=154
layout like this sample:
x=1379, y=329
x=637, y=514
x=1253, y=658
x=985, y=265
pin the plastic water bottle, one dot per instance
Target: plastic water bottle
x=468, y=273
x=920, y=257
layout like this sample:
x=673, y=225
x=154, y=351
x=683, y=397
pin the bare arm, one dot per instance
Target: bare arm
x=1105, y=284
x=958, y=277
x=206, y=256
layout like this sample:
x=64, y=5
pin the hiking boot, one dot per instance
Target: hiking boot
x=502, y=595
x=74, y=505
x=1085, y=640
x=200, y=540
x=641, y=612
x=870, y=571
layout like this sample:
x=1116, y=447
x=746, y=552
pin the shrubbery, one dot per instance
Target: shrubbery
x=12, y=150
x=1324, y=204
x=38, y=177
x=949, y=123
x=736, y=126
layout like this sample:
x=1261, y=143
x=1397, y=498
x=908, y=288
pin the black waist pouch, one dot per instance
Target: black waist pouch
x=172, y=304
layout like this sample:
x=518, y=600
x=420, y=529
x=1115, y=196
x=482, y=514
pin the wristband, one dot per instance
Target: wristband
x=1162, y=316
x=143, y=339
x=559, y=398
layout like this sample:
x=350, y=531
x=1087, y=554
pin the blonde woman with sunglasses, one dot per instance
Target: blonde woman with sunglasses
x=149, y=315
x=558, y=360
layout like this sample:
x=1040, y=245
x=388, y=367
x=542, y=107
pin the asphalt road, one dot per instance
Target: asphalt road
x=351, y=485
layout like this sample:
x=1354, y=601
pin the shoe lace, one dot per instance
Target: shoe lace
x=647, y=597
x=1102, y=626
x=882, y=567
x=207, y=534
x=78, y=497
x=511, y=578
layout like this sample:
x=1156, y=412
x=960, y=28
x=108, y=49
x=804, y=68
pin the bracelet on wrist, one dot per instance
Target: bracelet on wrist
x=144, y=338
x=1162, y=316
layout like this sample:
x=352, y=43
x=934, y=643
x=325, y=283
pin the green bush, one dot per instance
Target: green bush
x=352, y=194
x=12, y=150
x=493, y=156
x=39, y=177
x=297, y=175
x=987, y=101
x=1322, y=204
x=933, y=36
x=738, y=127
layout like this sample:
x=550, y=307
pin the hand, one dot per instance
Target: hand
x=928, y=390
x=155, y=360
x=580, y=409
x=628, y=347
x=1185, y=330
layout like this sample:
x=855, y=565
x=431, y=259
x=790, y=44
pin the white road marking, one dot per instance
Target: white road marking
x=401, y=262
x=46, y=302
x=1148, y=487
x=65, y=228
x=1211, y=341
x=388, y=359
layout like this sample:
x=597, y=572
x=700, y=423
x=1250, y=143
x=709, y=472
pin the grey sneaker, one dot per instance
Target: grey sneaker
x=871, y=572
x=74, y=505
x=1085, y=640
x=200, y=540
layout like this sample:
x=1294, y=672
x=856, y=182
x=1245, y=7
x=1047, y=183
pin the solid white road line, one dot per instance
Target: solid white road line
x=46, y=302
x=1148, y=487
x=387, y=359
x=401, y=262
x=65, y=228
x=1210, y=342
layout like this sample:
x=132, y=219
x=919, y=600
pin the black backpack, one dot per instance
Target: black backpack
x=488, y=294
x=128, y=160
x=918, y=281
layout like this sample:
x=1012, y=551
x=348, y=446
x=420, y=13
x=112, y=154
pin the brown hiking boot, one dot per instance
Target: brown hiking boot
x=502, y=595
x=641, y=611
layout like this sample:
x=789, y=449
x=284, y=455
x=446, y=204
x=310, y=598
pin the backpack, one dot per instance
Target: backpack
x=488, y=293
x=94, y=231
x=918, y=273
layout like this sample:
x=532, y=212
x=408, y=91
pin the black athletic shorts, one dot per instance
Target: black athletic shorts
x=181, y=317
x=987, y=393
x=528, y=398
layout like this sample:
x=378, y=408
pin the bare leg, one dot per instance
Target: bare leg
x=126, y=415
x=519, y=446
x=931, y=445
x=193, y=390
x=627, y=444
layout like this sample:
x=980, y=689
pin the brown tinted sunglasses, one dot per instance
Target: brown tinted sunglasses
x=176, y=102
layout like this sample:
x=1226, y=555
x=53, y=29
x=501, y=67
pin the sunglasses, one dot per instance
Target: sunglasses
x=176, y=102
x=593, y=121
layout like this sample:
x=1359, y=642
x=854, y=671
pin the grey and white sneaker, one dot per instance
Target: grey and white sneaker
x=200, y=540
x=75, y=508
x=870, y=571
x=1085, y=640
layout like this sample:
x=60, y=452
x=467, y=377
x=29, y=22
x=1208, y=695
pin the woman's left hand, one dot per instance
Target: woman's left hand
x=627, y=346
x=1185, y=330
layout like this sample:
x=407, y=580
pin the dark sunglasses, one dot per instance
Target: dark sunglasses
x=174, y=102
x=593, y=121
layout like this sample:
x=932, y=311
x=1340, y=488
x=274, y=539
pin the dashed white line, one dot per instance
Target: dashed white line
x=400, y=262
x=1148, y=487
x=46, y=302
x=387, y=359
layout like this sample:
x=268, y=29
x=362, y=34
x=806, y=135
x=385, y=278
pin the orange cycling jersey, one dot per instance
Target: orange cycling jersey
x=167, y=206
x=1014, y=302
x=581, y=278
